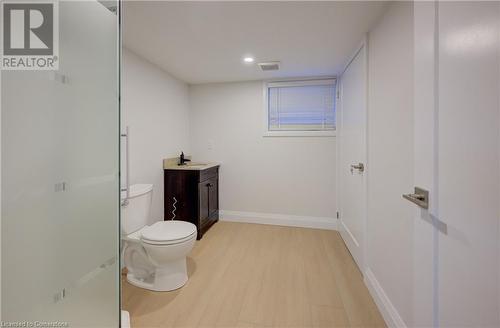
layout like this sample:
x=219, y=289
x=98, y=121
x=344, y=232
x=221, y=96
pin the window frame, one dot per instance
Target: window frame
x=296, y=82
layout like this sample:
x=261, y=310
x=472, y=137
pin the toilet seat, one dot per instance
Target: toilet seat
x=169, y=242
x=168, y=233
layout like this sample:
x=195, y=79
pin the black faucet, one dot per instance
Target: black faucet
x=182, y=160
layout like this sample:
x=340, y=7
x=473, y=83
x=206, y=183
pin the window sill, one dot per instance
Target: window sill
x=299, y=133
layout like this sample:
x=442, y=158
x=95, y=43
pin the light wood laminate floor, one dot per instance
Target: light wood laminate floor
x=250, y=275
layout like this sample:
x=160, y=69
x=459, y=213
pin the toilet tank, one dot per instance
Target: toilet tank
x=135, y=215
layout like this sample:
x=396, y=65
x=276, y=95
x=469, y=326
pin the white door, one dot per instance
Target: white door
x=352, y=155
x=457, y=159
x=467, y=163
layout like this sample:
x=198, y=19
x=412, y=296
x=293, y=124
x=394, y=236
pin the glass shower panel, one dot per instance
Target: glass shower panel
x=60, y=177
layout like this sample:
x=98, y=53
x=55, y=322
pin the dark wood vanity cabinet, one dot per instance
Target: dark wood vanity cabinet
x=193, y=196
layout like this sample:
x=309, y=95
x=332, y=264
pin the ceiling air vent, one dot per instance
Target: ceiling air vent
x=269, y=66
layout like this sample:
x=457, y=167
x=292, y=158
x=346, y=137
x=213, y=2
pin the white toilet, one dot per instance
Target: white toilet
x=154, y=255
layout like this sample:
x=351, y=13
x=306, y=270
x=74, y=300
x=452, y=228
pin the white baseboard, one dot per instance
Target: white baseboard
x=314, y=222
x=389, y=312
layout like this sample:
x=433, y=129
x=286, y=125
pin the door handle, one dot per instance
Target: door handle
x=419, y=197
x=360, y=167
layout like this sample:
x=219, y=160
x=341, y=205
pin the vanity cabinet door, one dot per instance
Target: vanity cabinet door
x=213, y=196
x=208, y=200
x=203, y=199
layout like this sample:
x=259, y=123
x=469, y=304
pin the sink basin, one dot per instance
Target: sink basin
x=196, y=164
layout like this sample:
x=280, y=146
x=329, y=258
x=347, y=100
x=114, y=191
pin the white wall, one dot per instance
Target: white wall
x=271, y=175
x=390, y=159
x=156, y=107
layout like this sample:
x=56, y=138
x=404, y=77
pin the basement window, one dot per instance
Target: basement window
x=300, y=108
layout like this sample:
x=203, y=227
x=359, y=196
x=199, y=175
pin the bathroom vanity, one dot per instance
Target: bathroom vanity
x=192, y=193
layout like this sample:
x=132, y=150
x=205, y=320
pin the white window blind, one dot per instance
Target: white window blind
x=301, y=105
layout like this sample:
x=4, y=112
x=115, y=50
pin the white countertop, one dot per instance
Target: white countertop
x=171, y=164
x=191, y=166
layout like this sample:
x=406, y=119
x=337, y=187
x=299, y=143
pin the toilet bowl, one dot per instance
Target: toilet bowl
x=155, y=255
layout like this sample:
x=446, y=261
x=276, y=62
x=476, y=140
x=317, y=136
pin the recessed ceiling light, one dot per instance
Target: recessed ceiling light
x=248, y=59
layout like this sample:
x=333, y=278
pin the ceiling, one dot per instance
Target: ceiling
x=201, y=42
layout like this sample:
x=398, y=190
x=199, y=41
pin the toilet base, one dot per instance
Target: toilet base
x=170, y=277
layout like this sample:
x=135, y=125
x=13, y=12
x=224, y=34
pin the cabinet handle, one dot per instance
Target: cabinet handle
x=209, y=185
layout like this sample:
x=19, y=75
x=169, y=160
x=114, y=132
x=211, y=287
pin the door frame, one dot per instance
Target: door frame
x=341, y=226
